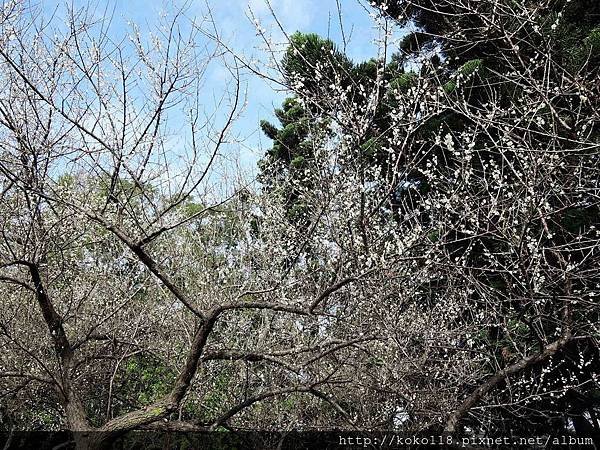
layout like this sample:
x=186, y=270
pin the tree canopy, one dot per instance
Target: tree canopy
x=419, y=252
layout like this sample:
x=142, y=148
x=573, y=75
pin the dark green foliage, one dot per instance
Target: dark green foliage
x=367, y=69
x=286, y=166
x=321, y=66
x=475, y=74
x=269, y=129
x=470, y=67
x=571, y=29
x=144, y=379
x=309, y=55
x=415, y=42
x=579, y=52
x=403, y=82
x=578, y=221
x=217, y=396
x=293, y=131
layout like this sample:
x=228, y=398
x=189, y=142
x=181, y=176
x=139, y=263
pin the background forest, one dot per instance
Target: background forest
x=418, y=252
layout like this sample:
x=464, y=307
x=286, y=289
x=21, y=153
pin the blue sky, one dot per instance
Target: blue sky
x=318, y=16
x=232, y=19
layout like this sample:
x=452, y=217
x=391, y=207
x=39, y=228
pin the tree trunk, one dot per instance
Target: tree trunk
x=91, y=440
